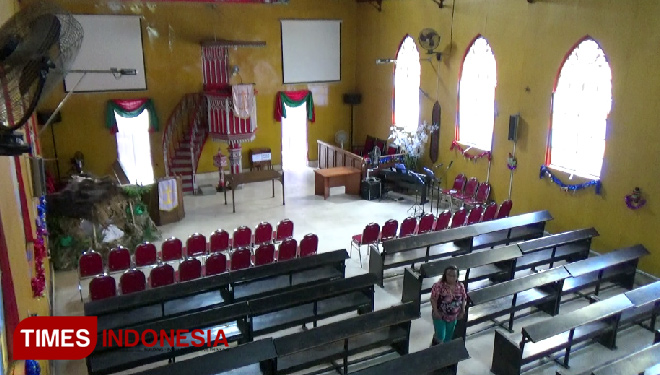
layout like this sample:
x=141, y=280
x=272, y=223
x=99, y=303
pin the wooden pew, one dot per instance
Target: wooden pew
x=311, y=304
x=496, y=263
x=379, y=333
x=618, y=266
x=646, y=301
x=596, y=321
x=569, y=246
x=232, y=319
x=212, y=291
x=541, y=290
x=422, y=362
x=451, y=242
x=245, y=359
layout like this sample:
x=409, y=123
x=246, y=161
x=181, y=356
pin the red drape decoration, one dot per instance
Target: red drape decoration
x=294, y=98
x=130, y=105
x=8, y=295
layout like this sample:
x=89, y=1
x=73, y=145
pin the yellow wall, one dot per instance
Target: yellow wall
x=530, y=42
x=173, y=67
x=12, y=223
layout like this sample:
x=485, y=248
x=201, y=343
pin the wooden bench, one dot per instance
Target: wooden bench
x=379, y=333
x=496, y=263
x=232, y=319
x=541, y=290
x=596, y=321
x=324, y=179
x=569, y=246
x=646, y=301
x=422, y=362
x=245, y=359
x=456, y=241
x=311, y=304
x=618, y=266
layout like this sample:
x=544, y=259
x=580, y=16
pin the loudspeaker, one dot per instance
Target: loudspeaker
x=38, y=168
x=513, y=127
x=42, y=117
x=354, y=98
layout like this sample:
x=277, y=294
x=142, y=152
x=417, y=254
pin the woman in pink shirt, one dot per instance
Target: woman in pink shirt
x=448, y=299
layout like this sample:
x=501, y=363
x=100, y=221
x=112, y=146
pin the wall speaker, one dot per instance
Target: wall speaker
x=42, y=117
x=38, y=168
x=514, y=120
x=353, y=98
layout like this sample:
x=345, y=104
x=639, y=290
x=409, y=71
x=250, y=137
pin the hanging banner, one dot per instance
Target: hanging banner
x=167, y=195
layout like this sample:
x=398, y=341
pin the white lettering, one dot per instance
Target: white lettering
x=66, y=336
x=50, y=341
x=38, y=337
x=27, y=336
x=83, y=337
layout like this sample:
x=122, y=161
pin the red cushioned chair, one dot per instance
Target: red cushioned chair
x=90, y=264
x=287, y=249
x=171, y=250
x=389, y=230
x=425, y=223
x=242, y=237
x=458, y=220
x=215, y=264
x=101, y=287
x=443, y=220
x=161, y=275
x=146, y=255
x=456, y=188
x=475, y=215
x=196, y=245
x=265, y=254
x=368, y=237
x=240, y=259
x=469, y=192
x=505, y=209
x=489, y=212
x=408, y=227
x=119, y=259
x=132, y=281
x=283, y=230
x=219, y=241
x=263, y=233
x=308, y=245
x=483, y=192
x=190, y=269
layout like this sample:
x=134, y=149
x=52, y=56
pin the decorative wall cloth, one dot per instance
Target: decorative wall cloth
x=294, y=99
x=243, y=96
x=568, y=187
x=130, y=108
x=167, y=196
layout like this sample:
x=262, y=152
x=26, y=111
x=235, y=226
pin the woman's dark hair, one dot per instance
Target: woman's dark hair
x=449, y=268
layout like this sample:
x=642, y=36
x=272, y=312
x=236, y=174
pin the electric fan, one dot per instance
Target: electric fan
x=37, y=46
x=341, y=137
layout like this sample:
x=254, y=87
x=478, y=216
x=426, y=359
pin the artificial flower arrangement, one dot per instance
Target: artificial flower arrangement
x=411, y=144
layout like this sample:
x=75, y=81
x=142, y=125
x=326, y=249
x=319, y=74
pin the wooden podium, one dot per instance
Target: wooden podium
x=159, y=216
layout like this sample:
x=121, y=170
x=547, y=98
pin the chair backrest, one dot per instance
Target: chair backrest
x=265, y=254
x=489, y=212
x=389, y=230
x=132, y=281
x=407, y=227
x=196, y=245
x=458, y=220
x=471, y=187
x=443, y=220
x=483, y=191
x=172, y=249
x=102, y=286
x=219, y=241
x=459, y=183
x=216, y=263
x=145, y=254
x=190, y=269
x=119, y=259
x=309, y=245
x=161, y=275
x=90, y=264
x=426, y=223
x=370, y=234
x=263, y=233
x=287, y=249
x=240, y=259
x=475, y=215
x=284, y=230
x=505, y=209
x=242, y=237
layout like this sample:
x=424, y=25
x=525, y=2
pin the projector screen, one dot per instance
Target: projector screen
x=311, y=51
x=108, y=42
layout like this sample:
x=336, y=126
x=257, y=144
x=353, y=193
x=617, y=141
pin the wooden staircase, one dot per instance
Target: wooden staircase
x=183, y=139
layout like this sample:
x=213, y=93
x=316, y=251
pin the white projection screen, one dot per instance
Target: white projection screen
x=109, y=41
x=311, y=51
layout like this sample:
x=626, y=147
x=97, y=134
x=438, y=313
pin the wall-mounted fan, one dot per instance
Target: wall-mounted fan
x=37, y=46
x=341, y=137
x=429, y=39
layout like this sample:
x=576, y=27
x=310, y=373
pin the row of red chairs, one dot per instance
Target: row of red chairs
x=133, y=280
x=372, y=233
x=469, y=192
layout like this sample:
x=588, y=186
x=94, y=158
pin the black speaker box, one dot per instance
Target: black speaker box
x=370, y=188
x=514, y=120
x=352, y=98
x=42, y=117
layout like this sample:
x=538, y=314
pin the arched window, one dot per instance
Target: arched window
x=476, y=96
x=406, y=86
x=580, y=106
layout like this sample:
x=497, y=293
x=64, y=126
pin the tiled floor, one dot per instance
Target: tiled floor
x=335, y=220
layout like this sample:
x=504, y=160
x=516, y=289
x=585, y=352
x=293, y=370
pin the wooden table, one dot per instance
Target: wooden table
x=233, y=180
x=324, y=179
